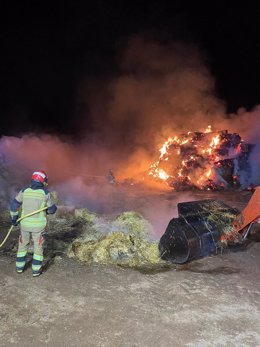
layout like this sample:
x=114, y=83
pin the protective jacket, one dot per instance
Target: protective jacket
x=33, y=198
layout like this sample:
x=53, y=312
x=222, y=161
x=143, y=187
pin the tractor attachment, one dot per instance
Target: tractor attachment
x=205, y=226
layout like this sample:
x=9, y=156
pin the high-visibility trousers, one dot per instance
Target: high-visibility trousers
x=38, y=243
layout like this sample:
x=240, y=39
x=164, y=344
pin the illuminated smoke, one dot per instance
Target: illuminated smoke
x=160, y=89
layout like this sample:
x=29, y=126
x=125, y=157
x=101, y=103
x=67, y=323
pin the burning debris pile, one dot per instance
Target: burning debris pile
x=204, y=160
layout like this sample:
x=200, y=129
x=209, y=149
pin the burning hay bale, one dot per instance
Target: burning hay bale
x=125, y=242
x=205, y=160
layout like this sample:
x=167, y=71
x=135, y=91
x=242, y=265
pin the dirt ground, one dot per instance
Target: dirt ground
x=213, y=301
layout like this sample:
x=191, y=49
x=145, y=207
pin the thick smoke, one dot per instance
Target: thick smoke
x=161, y=89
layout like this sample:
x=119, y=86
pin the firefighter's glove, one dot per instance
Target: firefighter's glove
x=14, y=221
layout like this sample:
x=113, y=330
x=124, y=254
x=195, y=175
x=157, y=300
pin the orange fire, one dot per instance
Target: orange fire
x=187, y=158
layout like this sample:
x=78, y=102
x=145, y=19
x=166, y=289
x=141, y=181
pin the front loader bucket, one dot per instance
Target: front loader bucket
x=250, y=213
x=196, y=233
x=179, y=242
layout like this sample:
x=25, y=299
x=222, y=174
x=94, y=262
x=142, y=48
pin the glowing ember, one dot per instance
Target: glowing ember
x=201, y=159
x=163, y=175
x=208, y=130
x=165, y=147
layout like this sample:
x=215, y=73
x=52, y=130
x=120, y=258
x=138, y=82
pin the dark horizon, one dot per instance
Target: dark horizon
x=47, y=52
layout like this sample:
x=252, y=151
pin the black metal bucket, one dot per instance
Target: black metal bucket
x=193, y=235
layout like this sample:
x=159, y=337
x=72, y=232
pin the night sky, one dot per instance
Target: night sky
x=46, y=49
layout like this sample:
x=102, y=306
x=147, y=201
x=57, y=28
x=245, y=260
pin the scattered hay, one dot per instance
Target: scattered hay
x=125, y=242
x=223, y=218
x=133, y=223
x=85, y=215
x=116, y=248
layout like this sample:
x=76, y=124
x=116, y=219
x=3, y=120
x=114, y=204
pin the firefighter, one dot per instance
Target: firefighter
x=31, y=199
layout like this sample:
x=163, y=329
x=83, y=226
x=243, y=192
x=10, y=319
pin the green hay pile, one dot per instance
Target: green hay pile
x=133, y=223
x=124, y=241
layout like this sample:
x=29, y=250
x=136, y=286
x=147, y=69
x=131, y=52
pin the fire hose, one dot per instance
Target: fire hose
x=18, y=220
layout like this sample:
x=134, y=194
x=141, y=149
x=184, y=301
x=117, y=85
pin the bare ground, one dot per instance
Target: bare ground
x=214, y=301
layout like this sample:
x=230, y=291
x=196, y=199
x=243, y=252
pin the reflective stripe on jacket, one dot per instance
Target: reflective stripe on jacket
x=32, y=200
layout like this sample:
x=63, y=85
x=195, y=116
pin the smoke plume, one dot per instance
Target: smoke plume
x=160, y=90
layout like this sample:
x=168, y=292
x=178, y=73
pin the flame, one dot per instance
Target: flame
x=165, y=147
x=190, y=158
x=208, y=173
x=215, y=141
x=163, y=175
x=160, y=173
x=208, y=130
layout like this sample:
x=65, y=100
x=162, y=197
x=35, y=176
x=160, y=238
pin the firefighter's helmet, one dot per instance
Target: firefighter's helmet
x=40, y=176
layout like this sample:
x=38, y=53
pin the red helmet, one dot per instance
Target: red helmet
x=40, y=176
